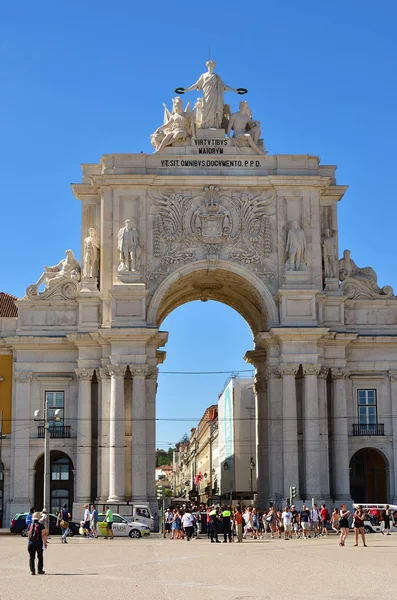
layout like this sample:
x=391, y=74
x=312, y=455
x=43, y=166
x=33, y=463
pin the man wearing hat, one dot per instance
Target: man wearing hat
x=37, y=540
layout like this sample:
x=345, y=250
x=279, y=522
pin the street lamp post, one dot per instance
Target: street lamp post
x=252, y=467
x=46, y=423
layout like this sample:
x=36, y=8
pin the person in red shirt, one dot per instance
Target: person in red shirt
x=238, y=518
x=324, y=516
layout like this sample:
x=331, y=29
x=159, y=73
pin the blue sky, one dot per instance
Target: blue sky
x=82, y=79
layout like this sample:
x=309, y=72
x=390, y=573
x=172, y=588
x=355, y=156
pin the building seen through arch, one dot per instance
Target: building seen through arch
x=209, y=215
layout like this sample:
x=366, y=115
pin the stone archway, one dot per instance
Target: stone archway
x=235, y=287
x=368, y=476
x=61, y=478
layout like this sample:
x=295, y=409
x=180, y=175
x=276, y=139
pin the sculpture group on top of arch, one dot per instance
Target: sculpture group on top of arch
x=181, y=125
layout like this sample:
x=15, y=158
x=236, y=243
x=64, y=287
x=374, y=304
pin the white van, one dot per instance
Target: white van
x=140, y=513
x=369, y=527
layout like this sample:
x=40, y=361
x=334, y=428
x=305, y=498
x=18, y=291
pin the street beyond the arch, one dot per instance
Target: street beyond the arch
x=157, y=569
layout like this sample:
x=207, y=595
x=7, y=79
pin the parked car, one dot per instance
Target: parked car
x=18, y=525
x=122, y=527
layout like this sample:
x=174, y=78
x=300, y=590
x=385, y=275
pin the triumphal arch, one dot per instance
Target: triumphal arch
x=210, y=214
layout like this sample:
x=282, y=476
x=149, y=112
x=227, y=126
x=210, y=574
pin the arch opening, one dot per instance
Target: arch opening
x=61, y=481
x=244, y=292
x=368, y=476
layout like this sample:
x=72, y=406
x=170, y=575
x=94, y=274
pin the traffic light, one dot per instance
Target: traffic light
x=160, y=492
x=288, y=501
x=292, y=493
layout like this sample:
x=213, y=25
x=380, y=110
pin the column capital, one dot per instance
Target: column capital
x=117, y=371
x=103, y=373
x=84, y=374
x=152, y=373
x=311, y=369
x=323, y=373
x=23, y=376
x=272, y=372
x=139, y=370
x=259, y=384
x=288, y=368
x=338, y=373
x=393, y=376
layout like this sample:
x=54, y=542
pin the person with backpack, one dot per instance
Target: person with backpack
x=37, y=540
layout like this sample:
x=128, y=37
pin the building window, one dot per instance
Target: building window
x=58, y=499
x=56, y=401
x=367, y=407
x=60, y=469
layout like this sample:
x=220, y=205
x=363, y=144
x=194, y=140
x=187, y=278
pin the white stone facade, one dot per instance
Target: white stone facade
x=235, y=225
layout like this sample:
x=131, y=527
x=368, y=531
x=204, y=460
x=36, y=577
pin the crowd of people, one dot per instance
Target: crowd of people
x=242, y=522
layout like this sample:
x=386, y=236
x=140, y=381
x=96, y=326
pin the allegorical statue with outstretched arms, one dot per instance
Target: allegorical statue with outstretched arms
x=213, y=89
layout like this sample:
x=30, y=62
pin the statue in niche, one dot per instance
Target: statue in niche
x=91, y=255
x=360, y=283
x=68, y=268
x=128, y=247
x=244, y=127
x=178, y=127
x=213, y=89
x=295, y=248
x=330, y=252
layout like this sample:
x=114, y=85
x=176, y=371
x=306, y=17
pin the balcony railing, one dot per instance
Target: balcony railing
x=56, y=431
x=368, y=429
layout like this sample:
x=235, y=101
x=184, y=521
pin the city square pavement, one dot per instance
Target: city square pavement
x=161, y=569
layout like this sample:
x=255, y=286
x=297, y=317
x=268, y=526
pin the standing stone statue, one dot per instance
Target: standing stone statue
x=213, y=89
x=128, y=246
x=91, y=255
x=244, y=126
x=331, y=267
x=295, y=248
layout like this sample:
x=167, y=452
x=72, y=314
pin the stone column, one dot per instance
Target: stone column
x=84, y=436
x=151, y=390
x=311, y=432
x=103, y=376
x=290, y=428
x=324, y=442
x=275, y=419
x=393, y=393
x=258, y=359
x=139, y=437
x=340, y=435
x=116, y=434
x=20, y=447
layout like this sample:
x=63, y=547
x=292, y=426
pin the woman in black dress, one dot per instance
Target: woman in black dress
x=359, y=517
x=344, y=515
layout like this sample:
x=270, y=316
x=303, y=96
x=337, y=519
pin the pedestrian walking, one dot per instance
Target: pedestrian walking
x=63, y=519
x=238, y=519
x=176, y=526
x=358, y=519
x=188, y=524
x=324, y=515
x=387, y=516
x=109, y=523
x=344, y=515
x=86, y=522
x=94, y=521
x=37, y=540
x=315, y=519
x=227, y=529
x=287, y=518
x=214, y=524
x=305, y=521
x=44, y=521
x=271, y=520
x=335, y=520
